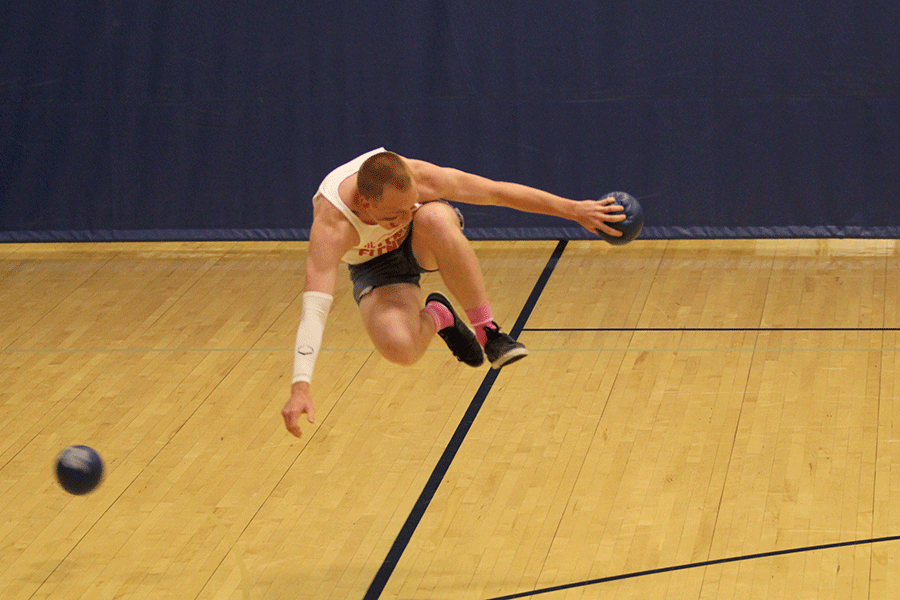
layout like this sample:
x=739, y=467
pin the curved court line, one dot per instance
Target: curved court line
x=707, y=563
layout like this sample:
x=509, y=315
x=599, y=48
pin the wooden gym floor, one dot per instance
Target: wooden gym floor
x=697, y=420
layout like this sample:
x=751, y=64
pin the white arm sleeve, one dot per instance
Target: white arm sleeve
x=309, y=335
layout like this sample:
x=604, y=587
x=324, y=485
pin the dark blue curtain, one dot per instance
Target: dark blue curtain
x=207, y=120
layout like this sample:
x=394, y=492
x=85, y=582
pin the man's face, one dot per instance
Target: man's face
x=395, y=207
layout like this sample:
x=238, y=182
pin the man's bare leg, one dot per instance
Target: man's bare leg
x=439, y=243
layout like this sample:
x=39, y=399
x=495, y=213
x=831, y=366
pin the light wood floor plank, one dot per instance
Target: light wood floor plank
x=684, y=402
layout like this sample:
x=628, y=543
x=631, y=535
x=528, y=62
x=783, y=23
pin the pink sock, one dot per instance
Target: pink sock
x=478, y=317
x=441, y=314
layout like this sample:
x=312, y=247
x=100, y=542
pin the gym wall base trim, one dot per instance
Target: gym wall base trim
x=473, y=233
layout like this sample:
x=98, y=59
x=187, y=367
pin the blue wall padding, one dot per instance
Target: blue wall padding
x=217, y=120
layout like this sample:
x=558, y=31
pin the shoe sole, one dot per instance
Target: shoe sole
x=510, y=357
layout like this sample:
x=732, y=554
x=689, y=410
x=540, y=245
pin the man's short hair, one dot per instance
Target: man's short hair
x=379, y=170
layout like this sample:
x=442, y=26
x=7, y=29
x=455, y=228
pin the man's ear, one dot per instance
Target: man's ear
x=364, y=202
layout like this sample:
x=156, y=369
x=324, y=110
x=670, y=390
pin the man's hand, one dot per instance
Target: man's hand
x=595, y=215
x=299, y=403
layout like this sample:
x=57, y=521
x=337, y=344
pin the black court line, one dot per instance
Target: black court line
x=708, y=563
x=440, y=470
x=670, y=329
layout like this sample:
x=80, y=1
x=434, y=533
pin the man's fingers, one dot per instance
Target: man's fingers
x=610, y=204
x=610, y=230
x=290, y=423
x=291, y=420
x=611, y=211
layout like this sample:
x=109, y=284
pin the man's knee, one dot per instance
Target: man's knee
x=393, y=322
x=398, y=348
x=438, y=216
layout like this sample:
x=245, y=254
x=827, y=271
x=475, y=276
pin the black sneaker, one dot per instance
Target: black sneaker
x=459, y=338
x=501, y=349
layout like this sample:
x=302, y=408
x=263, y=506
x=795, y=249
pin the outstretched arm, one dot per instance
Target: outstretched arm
x=458, y=186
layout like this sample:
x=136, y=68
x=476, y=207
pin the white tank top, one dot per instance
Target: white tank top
x=374, y=240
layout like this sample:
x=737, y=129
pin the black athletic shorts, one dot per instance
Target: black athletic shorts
x=396, y=266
